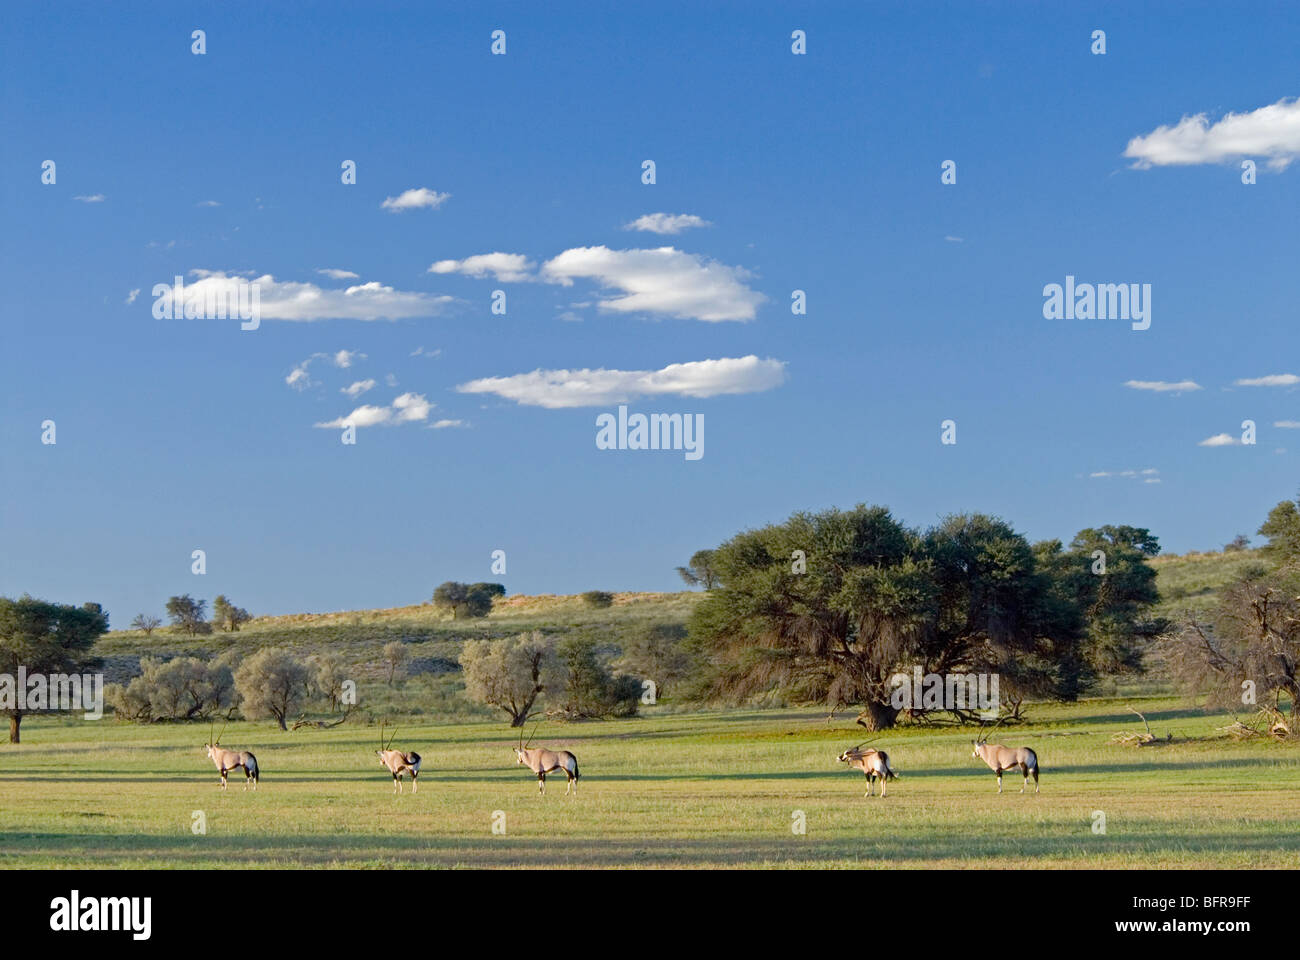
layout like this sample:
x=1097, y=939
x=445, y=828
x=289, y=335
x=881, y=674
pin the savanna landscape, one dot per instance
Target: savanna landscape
x=1142, y=770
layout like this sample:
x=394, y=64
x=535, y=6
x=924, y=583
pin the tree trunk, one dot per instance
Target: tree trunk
x=15, y=720
x=877, y=716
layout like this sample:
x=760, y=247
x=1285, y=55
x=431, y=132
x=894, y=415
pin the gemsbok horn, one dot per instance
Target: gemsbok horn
x=398, y=762
x=542, y=761
x=874, y=763
x=1000, y=758
x=227, y=760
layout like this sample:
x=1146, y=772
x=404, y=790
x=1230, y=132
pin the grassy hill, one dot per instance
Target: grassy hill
x=1191, y=582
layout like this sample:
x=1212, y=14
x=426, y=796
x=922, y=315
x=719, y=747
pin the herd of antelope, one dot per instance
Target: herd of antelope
x=873, y=763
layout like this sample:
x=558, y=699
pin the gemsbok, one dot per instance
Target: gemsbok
x=1000, y=758
x=227, y=760
x=398, y=762
x=542, y=761
x=874, y=763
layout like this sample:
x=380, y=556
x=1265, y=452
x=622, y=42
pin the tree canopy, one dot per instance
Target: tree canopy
x=46, y=638
x=467, y=599
x=830, y=606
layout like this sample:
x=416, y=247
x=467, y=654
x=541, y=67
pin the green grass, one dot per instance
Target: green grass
x=714, y=789
x=1191, y=582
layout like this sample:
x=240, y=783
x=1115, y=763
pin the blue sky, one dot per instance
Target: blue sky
x=818, y=172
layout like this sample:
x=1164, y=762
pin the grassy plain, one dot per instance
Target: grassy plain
x=709, y=789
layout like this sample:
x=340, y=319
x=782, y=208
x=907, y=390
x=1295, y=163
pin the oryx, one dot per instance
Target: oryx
x=542, y=761
x=398, y=762
x=1000, y=758
x=874, y=763
x=227, y=760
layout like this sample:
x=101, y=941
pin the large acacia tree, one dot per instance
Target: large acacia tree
x=828, y=607
x=46, y=638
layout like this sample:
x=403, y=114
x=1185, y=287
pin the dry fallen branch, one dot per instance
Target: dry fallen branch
x=1141, y=739
x=302, y=721
x=1268, y=722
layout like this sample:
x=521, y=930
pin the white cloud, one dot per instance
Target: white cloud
x=345, y=358
x=669, y=223
x=336, y=274
x=444, y=424
x=207, y=203
x=415, y=199
x=299, y=378
x=1272, y=380
x=587, y=388
x=1163, y=386
x=93, y=198
x=1149, y=475
x=408, y=408
x=952, y=239
x=130, y=297
x=664, y=280
x=1287, y=424
x=1272, y=132
x=357, y=389
x=290, y=300
x=421, y=352
x=506, y=267
x=1220, y=440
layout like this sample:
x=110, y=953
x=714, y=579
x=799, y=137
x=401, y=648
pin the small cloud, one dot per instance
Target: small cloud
x=955, y=239
x=335, y=274
x=93, y=198
x=666, y=223
x=1220, y=440
x=291, y=300
x=207, y=203
x=1272, y=380
x=444, y=424
x=1287, y=424
x=663, y=281
x=1163, y=386
x=408, y=408
x=390, y=379
x=345, y=358
x=1149, y=475
x=421, y=352
x=555, y=389
x=300, y=379
x=130, y=297
x=506, y=267
x=421, y=197
x=357, y=389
